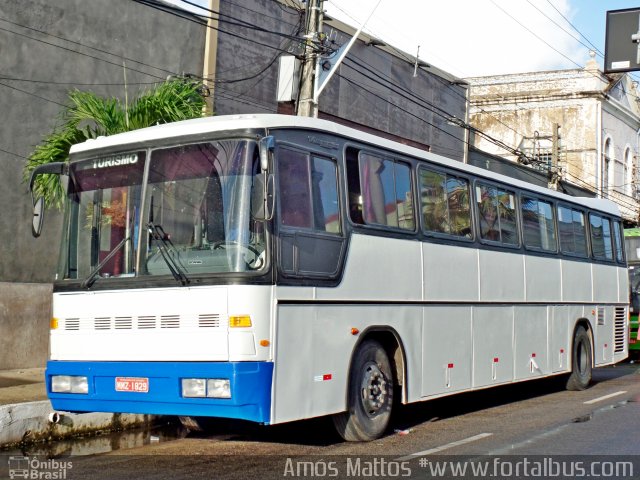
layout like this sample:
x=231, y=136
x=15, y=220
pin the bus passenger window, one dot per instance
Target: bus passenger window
x=572, y=231
x=324, y=181
x=386, y=192
x=497, y=214
x=445, y=203
x=537, y=224
x=308, y=192
x=601, y=241
x=618, y=235
x=295, y=198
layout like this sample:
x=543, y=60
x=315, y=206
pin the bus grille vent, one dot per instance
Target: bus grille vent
x=170, y=321
x=211, y=320
x=620, y=315
x=600, y=318
x=124, y=323
x=102, y=323
x=145, y=322
x=72, y=324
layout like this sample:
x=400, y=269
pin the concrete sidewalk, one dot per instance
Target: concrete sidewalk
x=26, y=415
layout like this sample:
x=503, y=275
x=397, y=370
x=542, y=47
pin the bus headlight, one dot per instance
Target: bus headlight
x=218, y=388
x=194, y=387
x=69, y=384
x=206, y=387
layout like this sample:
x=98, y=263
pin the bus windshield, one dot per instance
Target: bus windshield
x=193, y=216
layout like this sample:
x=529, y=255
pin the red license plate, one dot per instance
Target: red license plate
x=131, y=384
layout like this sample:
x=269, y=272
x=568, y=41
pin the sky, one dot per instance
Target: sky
x=470, y=38
x=487, y=37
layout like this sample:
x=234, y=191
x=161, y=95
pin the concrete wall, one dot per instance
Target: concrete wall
x=47, y=49
x=45, y=68
x=25, y=310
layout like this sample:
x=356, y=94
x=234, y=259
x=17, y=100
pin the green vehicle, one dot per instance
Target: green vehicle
x=632, y=244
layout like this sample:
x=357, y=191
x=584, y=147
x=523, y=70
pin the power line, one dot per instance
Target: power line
x=561, y=27
x=14, y=154
x=79, y=44
x=442, y=113
x=533, y=33
x=153, y=5
x=49, y=82
x=575, y=28
x=353, y=82
x=119, y=65
x=32, y=94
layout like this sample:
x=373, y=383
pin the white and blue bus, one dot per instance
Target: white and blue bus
x=275, y=268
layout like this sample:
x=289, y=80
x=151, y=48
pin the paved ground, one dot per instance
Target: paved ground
x=25, y=412
x=23, y=385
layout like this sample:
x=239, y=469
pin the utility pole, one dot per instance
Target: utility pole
x=554, y=171
x=210, y=54
x=307, y=107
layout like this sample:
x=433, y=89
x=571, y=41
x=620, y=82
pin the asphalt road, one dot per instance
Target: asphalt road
x=525, y=423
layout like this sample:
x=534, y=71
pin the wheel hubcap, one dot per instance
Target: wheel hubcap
x=373, y=389
x=582, y=358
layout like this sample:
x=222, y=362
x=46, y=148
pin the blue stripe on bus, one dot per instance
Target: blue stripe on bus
x=250, y=388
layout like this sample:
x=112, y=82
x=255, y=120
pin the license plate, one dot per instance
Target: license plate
x=130, y=384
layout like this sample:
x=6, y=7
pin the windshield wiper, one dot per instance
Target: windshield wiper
x=158, y=234
x=93, y=275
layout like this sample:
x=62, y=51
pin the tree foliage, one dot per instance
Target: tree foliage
x=90, y=116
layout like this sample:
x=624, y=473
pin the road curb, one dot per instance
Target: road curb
x=31, y=422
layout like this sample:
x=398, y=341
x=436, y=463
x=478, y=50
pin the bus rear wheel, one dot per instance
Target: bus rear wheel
x=370, y=395
x=581, y=361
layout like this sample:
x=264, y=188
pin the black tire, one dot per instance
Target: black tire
x=370, y=395
x=581, y=361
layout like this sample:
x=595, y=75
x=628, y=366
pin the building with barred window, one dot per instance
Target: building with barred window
x=579, y=127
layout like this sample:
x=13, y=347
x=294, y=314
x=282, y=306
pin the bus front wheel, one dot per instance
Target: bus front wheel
x=581, y=361
x=370, y=395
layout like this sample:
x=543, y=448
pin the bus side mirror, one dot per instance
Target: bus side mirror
x=266, y=145
x=55, y=168
x=262, y=197
x=38, y=217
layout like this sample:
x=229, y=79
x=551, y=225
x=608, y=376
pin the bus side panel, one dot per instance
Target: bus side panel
x=502, y=276
x=492, y=345
x=560, y=346
x=603, y=344
x=378, y=268
x=605, y=283
x=623, y=285
x=314, y=346
x=543, y=279
x=576, y=281
x=450, y=273
x=447, y=346
x=530, y=329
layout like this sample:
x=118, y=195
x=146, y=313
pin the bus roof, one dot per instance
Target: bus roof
x=201, y=126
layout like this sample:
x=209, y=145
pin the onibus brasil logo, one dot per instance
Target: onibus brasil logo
x=34, y=468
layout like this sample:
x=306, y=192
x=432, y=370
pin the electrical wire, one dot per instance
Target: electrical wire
x=443, y=113
x=119, y=65
x=177, y=12
x=32, y=94
x=14, y=154
x=49, y=82
x=575, y=28
x=82, y=45
x=590, y=46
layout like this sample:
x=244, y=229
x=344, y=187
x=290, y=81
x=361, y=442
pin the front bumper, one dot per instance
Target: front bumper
x=250, y=388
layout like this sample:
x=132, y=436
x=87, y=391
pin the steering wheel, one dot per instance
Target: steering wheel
x=253, y=264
